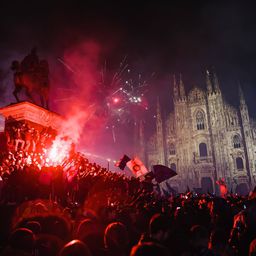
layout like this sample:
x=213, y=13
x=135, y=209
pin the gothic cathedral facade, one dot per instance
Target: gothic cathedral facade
x=205, y=139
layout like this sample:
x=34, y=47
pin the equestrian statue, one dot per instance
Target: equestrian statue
x=32, y=75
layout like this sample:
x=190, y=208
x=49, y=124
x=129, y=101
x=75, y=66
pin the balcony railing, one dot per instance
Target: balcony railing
x=203, y=159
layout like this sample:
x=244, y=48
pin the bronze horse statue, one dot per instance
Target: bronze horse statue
x=31, y=75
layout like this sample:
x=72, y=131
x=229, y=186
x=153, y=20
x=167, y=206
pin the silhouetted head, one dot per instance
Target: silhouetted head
x=148, y=249
x=159, y=228
x=116, y=236
x=75, y=248
x=48, y=245
x=199, y=236
x=22, y=239
x=86, y=227
x=34, y=226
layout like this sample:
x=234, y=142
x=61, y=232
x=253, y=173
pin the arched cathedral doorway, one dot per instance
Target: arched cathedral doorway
x=206, y=184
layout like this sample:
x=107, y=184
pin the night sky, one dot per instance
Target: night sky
x=164, y=37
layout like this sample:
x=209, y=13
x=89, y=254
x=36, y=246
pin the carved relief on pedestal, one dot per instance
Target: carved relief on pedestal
x=46, y=118
x=26, y=111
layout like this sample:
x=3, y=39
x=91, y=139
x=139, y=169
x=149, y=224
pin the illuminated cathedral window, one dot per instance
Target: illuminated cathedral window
x=239, y=163
x=236, y=141
x=200, y=120
x=203, y=150
x=172, y=149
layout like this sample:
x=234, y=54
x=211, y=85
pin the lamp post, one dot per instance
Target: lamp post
x=108, y=163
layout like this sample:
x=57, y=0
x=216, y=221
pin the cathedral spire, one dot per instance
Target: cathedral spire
x=160, y=134
x=216, y=82
x=208, y=82
x=175, y=88
x=241, y=95
x=159, y=121
x=182, y=89
x=142, y=140
x=158, y=110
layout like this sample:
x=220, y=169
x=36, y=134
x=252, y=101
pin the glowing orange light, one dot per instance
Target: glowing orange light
x=59, y=151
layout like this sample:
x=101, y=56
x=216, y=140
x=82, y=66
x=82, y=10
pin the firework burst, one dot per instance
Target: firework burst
x=119, y=94
x=127, y=96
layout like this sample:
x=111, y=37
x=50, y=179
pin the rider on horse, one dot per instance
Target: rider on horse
x=32, y=75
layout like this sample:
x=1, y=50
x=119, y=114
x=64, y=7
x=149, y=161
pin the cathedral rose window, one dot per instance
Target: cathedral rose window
x=200, y=120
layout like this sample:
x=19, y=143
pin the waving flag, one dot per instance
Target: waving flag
x=137, y=167
x=163, y=173
x=123, y=161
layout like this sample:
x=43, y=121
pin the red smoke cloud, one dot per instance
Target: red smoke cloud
x=79, y=100
x=84, y=60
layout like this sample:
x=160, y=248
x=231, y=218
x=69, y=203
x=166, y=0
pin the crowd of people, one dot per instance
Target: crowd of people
x=80, y=208
x=21, y=136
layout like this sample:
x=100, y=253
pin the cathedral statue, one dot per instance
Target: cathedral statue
x=32, y=75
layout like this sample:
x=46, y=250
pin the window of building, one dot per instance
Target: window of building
x=200, y=120
x=173, y=166
x=236, y=141
x=172, y=149
x=239, y=163
x=202, y=150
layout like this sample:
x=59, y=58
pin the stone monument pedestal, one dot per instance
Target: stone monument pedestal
x=31, y=114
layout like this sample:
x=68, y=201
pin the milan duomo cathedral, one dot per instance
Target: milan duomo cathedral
x=205, y=139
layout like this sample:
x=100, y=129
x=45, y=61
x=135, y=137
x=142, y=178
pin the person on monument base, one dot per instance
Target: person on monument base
x=20, y=136
x=35, y=139
x=28, y=137
x=19, y=142
x=8, y=137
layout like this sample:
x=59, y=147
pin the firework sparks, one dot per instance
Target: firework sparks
x=129, y=98
x=122, y=92
x=66, y=65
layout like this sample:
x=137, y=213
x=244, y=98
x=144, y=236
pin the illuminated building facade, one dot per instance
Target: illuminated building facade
x=205, y=139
